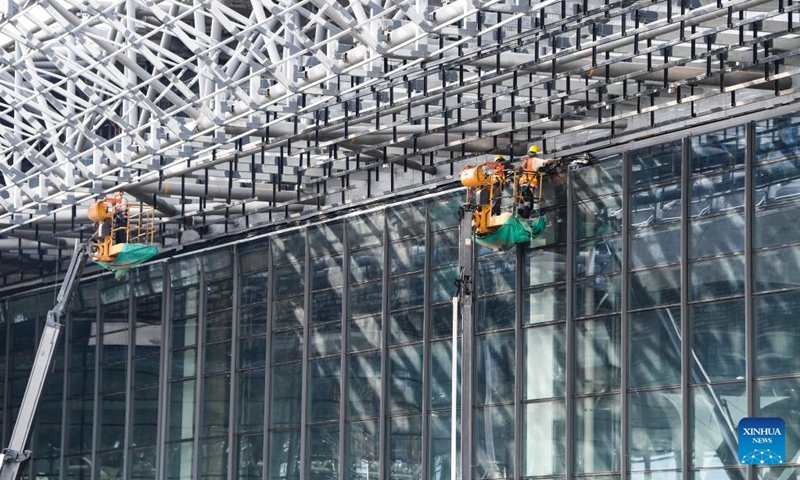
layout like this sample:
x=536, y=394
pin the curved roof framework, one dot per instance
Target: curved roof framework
x=231, y=114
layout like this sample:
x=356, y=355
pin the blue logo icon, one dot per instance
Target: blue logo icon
x=762, y=441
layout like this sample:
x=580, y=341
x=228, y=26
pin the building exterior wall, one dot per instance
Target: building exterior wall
x=656, y=311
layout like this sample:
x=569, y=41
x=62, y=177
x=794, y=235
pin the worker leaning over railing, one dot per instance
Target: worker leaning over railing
x=529, y=180
x=118, y=204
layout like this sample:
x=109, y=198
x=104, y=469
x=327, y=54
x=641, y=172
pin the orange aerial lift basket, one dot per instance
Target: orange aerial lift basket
x=124, y=238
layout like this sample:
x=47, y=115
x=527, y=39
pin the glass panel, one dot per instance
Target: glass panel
x=442, y=286
x=556, y=231
x=659, y=286
x=289, y=247
x=284, y=456
x=113, y=377
x=285, y=407
x=718, y=277
x=494, y=371
x=110, y=464
x=323, y=452
x=288, y=313
x=366, y=265
x=598, y=350
x=597, y=296
x=113, y=290
x=112, y=421
x=658, y=164
x=181, y=410
x=495, y=312
x=253, y=352
x=364, y=385
x=441, y=320
x=406, y=326
x=407, y=256
x=655, y=205
x=287, y=346
x=216, y=405
x=326, y=272
x=218, y=326
x=143, y=463
x=184, y=363
x=439, y=456
x=146, y=370
x=776, y=226
x=325, y=239
x=253, y=255
x=407, y=291
x=444, y=248
x=185, y=302
x=326, y=340
x=657, y=245
x=655, y=348
x=776, y=138
x=598, y=256
x=718, y=150
x=250, y=411
x=496, y=274
x=250, y=457
x=218, y=263
x=81, y=421
x=405, y=379
x=545, y=438
x=655, y=430
x=597, y=434
x=253, y=320
x=218, y=358
x=544, y=304
x=326, y=306
x=602, y=178
x=776, y=269
x=494, y=442
x=365, y=230
x=184, y=271
x=363, y=453
x=777, y=335
x=184, y=332
x=441, y=375
x=544, y=266
x=366, y=298
x=776, y=182
x=364, y=334
x=778, y=398
x=718, y=338
x=253, y=287
x=144, y=424
x=716, y=411
x=219, y=295
x=324, y=389
x=405, y=452
x=716, y=235
x=442, y=210
x=598, y=217
x=545, y=357
x=289, y=280
x=214, y=459
x=717, y=193
x=405, y=220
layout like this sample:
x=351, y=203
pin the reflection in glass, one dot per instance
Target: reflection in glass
x=216, y=405
x=325, y=238
x=406, y=326
x=365, y=230
x=250, y=457
x=179, y=460
x=289, y=280
x=181, y=410
x=776, y=269
x=214, y=458
x=288, y=313
x=218, y=326
x=600, y=216
x=716, y=235
x=774, y=182
x=145, y=415
x=655, y=347
x=602, y=178
x=776, y=226
x=658, y=286
x=716, y=411
x=364, y=385
x=780, y=398
x=363, y=454
x=493, y=442
x=323, y=452
x=718, y=338
x=364, y=334
x=719, y=277
x=444, y=248
x=496, y=274
x=285, y=404
x=112, y=421
x=143, y=463
x=718, y=150
x=326, y=340
x=407, y=256
x=495, y=312
x=217, y=358
x=598, y=256
x=597, y=296
x=366, y=265
x=777, y=335
x=597, y=350
x=324, y=388
x=250, y=411
x=597, y=432
x=442, y=210
x=545, y=374
x=326, y=305
x=442, y=287
x=405, y=379
x=544, y=266
x=405, y=448
x=545, y=438
x=326, y=272
x=253, y=352
x=405, y=220
x=494, y=368
x=185, y=302
x=366, y=298
x=252, y=255
x=441, y=374
x=657, y=164
x=657, y=245
x=253, y=320
x=439, y=456
x=717, y=193
x=407, y=291
x=289, y=247
x=184, y=332
x=284, y=455
x=219, y=295
x=655, y=430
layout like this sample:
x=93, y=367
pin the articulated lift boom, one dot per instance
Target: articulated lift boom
x=14, y=456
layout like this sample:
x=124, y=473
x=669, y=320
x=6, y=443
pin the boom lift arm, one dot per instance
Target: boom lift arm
x=14, y=456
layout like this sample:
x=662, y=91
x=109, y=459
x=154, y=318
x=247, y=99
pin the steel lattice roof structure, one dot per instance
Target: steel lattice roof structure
x=229, y=115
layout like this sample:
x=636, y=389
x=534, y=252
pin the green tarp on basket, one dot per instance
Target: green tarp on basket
x=514, y=231
x=132, y=254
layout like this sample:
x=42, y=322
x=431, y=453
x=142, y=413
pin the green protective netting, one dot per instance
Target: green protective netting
x=132, y=254
x=515, y=230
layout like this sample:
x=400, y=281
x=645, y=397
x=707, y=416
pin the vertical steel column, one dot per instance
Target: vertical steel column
x=304, y=356
x=129, y=372
x=466, y=262
x=749, y=326
x=569, y=404
x=426, y=346
x=163, y=381
x=234, y=392
x=6, y=383
x=64, y=391
x=268, y=367
x=519, y=366
x=344, y=360
x=201, y=360
x=97, y=378
x=384, y=409
x=624, y=327
x=686, y=456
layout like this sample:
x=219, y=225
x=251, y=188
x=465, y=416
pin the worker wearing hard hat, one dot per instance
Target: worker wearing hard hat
x=529, y=179
x=498, y=184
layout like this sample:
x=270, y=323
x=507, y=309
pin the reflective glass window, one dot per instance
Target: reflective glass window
x=288, y=313
x=494, y=368
x=657, y=245
x=184, y=363
x=325, y=385
x=545, y=374
x=407, y=256
x=289, y=247
x=253, y=288
x=720, y=150
x=217, y=358
x=216, y=405
x=365, y=230
x=405, y=220
x=598, y=256
x=253, y=320
x=326, y=305
x=250, y=413
x=602, y=178
x=440, y=432
x=184, y=332
x=326, y=340
x=326, y=272
x=407, y=291
x=289, y=280
x=219, y=295
x=181, y=410
x=496, y=274
x=776, y=269
x=442, y=286
x=365, y=298
x=406, y=326
x=655, y=430
x=495, y=312
x=544, y=265
x=185, y=302
x=81, y=422
x=284, y=455
x=253, y=255
x=218, y=326
x=777, y=138
x=214, y=459
x=364, y=385
x=287, y=346
x=544, y=437
x=326, y=238
x=716, y=235
x=598, y=217
x=444, y=248
x=655, y=347
x=112, y=421
x=366, y=265
x=660, y=286
x=441, y=375
x=363, y=453
x=597, y=296
x=285, y=406
x=405, y=379
x=776, y=226
x=405, y=454
x=657, y=164
x=323, y=452
x=544, y=304
x=716, y=411
x=655, y=205
x=717, y=193
x=493, y=442
x=184, y=271
x=777, y=336
x=364, y=333
x=180, y=456
x=442, y=210
x=250, y=457
x=775, y=181
x=597, y=350
x=145, y=414
x=719, y=277
x=597, y=434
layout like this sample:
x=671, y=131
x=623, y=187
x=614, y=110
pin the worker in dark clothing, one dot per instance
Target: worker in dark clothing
x=498, y=184
x=119, y=206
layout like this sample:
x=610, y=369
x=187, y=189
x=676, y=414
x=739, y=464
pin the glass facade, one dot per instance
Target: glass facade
x=656, y=311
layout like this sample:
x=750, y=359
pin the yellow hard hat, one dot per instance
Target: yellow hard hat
x=533, y=150
x=499, y=158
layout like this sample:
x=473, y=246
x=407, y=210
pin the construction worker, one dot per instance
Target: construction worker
x=119, y=206
x=529, y=180
x=498, y=184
